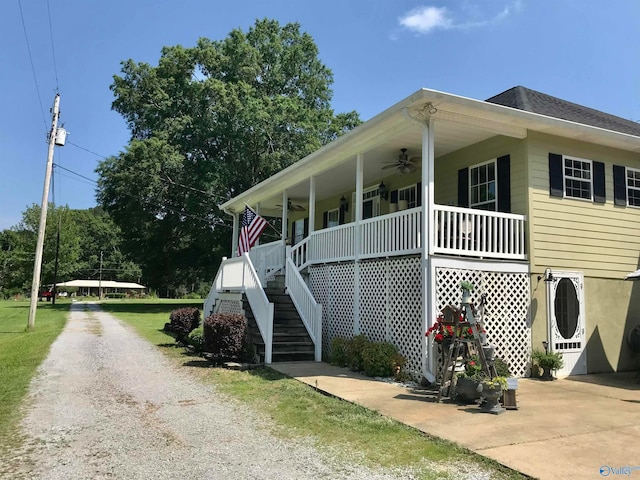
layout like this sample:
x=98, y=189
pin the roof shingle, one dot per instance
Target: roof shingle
x=529, y=100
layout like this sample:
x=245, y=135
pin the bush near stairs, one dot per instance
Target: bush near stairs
x=226, y=336
x=182, y=322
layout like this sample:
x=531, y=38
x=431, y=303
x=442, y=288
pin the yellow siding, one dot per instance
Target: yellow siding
x=446, y=170
x=600, y=240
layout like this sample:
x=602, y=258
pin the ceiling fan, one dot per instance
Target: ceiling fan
x=404, y=164
x=292, y=207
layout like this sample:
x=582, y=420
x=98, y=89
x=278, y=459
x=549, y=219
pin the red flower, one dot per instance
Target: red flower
x=438, y=337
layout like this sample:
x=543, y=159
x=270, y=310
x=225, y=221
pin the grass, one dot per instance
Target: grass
x=301, y=412
x=21, y=352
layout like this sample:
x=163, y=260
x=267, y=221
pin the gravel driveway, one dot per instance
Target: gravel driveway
x=107, y=404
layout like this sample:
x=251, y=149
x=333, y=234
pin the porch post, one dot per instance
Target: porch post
x=428, y=273
x=234, y=237
x=257, y=209
x=357, y=238
x=312, y=204
x=285, y=209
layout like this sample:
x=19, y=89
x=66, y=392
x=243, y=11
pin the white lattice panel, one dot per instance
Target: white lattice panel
x=506, y=311
x=373, y=300
x=405, y=310
x=390, y=304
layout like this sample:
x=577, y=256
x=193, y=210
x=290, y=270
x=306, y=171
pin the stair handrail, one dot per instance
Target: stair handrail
x=268, y=258
x=238, y=275
x=299, y=253
x=309, y=310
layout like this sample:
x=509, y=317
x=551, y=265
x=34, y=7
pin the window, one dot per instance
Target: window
x=370, y=203
x=333, y=218
x=577, y=178
x=408, y=194
x=633, y=187
x=483, y=186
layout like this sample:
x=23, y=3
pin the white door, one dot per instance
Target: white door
x=565, y=314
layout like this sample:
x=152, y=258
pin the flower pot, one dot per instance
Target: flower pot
x=467, y=390
x=466, y=295
x=491, y=399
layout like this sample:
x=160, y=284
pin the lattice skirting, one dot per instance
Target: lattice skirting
x=506, y=312
x=389, y=307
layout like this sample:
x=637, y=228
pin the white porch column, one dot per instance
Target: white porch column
x=358, y=242
x=428, y=273
x=236, y=233
x=257, y=210
x=312, y=204
x=285, y=211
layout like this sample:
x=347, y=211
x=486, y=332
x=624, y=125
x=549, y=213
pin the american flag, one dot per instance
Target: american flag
x=252, y=226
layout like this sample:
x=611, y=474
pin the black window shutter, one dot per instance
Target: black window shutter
x=305, y=228
x=419, y=194
x=504, y=184
x=599, y=194
x=394, y=196
x=619, y=185
x=556, y=187
x=325, y=219
x=341, y=215
x=463, y=187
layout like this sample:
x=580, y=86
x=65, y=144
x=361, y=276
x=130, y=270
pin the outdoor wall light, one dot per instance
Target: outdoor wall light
x=547, y=277
x=382, y=191
x=344, y=205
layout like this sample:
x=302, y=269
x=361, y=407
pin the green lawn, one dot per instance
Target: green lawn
x=300, y=411
x=21, y=352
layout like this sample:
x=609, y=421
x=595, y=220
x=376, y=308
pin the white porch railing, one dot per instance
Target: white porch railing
x=309, y=310
x=238, y=275
x=268, y=259
x=458, y=231
x=395, y=234
x=478, y=233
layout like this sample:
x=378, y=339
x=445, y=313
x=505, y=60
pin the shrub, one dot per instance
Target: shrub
x=502, y=367
x=354, y=352
x=183, y=321
x=339, y=352
x=377, y=359
x=192, y=296
x=226, y=335
x=116, y=295
x=196, y=339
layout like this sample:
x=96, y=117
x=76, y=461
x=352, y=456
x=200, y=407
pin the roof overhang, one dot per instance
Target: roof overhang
x=458, y=122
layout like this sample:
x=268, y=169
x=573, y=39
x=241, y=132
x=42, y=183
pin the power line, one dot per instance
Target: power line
x=86, y=150
x=33, y=70
x=53, y=50
x=75, y=173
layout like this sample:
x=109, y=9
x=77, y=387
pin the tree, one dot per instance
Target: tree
x=84, y=234
x=206, y=123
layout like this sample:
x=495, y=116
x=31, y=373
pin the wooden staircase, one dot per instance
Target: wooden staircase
x=291, y=341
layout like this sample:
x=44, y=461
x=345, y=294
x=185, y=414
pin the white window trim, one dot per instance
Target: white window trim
x=375, y=198
x=337, y=212
x=413, y=187
x=495, y=169
x=564, y=178
x=626, y=185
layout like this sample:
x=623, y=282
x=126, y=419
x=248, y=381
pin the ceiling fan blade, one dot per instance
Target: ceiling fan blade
x=395, y=165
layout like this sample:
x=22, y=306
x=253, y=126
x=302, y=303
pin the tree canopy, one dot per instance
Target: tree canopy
x=79, y=236
x=206, y=123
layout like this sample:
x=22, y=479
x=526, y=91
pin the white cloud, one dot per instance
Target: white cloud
x=426, y=19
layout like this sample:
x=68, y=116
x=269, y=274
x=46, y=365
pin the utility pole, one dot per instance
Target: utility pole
x=100, y=279
x=37, y=264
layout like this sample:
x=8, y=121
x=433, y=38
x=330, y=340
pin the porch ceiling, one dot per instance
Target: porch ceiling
x=458, y=123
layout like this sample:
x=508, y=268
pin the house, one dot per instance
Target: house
x=531, y=198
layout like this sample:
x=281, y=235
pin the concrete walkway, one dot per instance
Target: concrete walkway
x=580, y=427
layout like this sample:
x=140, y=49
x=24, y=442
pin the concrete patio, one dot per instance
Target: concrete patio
x=578, y=427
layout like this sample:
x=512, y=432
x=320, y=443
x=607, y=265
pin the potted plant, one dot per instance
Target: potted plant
x=467, y=288
x=468, y=381
x=547, y=361
x=491, y=390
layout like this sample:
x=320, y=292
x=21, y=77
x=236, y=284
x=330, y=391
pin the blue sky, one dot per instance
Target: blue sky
x=584, y=51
